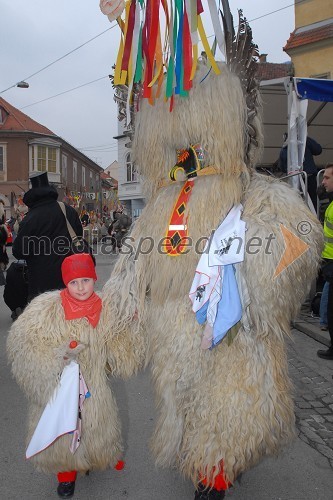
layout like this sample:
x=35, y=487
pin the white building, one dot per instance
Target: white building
x=129, y=184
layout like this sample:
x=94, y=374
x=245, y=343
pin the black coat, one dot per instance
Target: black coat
x=312, y=148
x=43, y=239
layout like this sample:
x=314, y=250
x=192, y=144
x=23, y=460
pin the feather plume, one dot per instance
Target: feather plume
x=242, y=58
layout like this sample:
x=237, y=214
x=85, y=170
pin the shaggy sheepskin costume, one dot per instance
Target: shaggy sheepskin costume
x=232, y=403
x=32, y=349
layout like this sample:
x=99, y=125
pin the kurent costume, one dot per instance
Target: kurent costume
x=221, y=409
x=36, y=350
x=43, y=240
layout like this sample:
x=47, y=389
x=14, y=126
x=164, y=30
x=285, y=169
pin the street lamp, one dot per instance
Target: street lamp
x=22, y=85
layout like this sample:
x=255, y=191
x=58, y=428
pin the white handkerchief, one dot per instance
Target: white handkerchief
x=228, y=242
x=61, y=412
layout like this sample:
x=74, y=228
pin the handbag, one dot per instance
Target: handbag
x=79, y=244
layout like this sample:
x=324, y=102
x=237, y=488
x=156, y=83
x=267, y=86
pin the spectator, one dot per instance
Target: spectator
x=104, y=231
x=43, y=239
x=328, y=259
x=312, y=148
x=85, y=219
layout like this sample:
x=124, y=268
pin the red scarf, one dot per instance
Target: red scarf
x=74, y=309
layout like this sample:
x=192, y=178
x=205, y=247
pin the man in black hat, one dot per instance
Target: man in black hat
x=43, y=239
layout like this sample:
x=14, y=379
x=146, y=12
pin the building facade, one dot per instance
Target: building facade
x=310, y=45
x=26, y=146
x=130, y=192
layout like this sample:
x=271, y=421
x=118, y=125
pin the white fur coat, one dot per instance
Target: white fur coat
x=32, y=349
x=233, y=403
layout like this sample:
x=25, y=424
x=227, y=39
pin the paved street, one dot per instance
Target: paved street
x=303, y=471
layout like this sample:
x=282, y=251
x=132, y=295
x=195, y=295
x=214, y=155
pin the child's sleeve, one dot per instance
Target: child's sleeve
x=125, y=351
x=122, y=323
x=31, y=346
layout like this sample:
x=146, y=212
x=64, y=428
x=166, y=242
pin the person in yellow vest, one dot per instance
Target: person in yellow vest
x=327, y=256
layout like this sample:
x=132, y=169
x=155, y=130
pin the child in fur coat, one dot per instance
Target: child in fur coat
x=57, y=329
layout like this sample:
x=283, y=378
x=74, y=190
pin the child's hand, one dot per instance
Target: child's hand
x=69, y=351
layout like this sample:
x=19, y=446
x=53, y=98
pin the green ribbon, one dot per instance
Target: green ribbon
x=138, y=67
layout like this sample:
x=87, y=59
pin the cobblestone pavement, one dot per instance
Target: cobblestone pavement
x=313, y=404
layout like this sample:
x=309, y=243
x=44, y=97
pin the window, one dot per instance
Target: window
x=44, y=158
x=3, y=162
x=323, y=76
x=137, y=212
x=74, y=172
x=131, y=175
x=3, y=115
x=2, y=165
x=83, y=176
x=64, y=168
x=91, y=182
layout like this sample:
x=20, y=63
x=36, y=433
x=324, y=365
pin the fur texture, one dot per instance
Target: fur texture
x=232, y=403
x=32, y=345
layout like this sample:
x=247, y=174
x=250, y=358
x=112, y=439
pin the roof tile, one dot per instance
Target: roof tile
x=19, y=122
x=310, y=36
x=270, y=71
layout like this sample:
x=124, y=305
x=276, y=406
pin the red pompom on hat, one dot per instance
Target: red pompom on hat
x=79, y=265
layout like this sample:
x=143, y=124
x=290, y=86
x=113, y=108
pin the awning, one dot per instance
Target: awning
x=314, y=89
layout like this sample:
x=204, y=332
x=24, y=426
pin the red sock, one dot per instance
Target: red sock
x=220, y=482
x=67, y=477
x=119, y=465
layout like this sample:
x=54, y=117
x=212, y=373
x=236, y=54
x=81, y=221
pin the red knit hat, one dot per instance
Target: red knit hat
x=79, y=265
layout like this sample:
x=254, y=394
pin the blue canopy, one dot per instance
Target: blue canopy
x=314, y=89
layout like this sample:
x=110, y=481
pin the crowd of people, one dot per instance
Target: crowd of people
x=42, y=239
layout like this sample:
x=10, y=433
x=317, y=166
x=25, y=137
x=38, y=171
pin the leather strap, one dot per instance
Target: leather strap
x=210, y=170
x=71, y=231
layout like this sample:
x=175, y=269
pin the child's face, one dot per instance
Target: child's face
x=81, y=288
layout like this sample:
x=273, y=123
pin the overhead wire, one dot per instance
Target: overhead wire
x=65, y=91
x=62, y=57
x=90, y=40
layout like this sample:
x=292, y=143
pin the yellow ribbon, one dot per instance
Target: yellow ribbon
x=207, y=48
x=158, y=58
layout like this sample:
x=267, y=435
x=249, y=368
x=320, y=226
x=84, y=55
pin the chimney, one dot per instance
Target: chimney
x=263, y=58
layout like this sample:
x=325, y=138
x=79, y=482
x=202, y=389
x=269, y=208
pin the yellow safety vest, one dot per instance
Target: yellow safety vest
x=328, y=233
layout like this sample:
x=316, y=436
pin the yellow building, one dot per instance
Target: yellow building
x=310, y=45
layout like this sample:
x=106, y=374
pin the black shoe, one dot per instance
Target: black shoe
x=203, y=493
x=66, y=490
x=325, y=354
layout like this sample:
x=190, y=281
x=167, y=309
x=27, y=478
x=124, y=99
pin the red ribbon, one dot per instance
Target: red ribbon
x=200, y=8
x=129, y=37
x=145, y=49
x=187, y=53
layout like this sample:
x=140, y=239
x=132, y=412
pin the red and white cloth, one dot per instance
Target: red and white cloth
x=62, y=413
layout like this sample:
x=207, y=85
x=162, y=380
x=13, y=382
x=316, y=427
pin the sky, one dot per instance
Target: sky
x=35, y=34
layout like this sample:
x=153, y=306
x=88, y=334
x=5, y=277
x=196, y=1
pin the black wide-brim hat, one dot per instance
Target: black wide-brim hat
x=39, y=179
